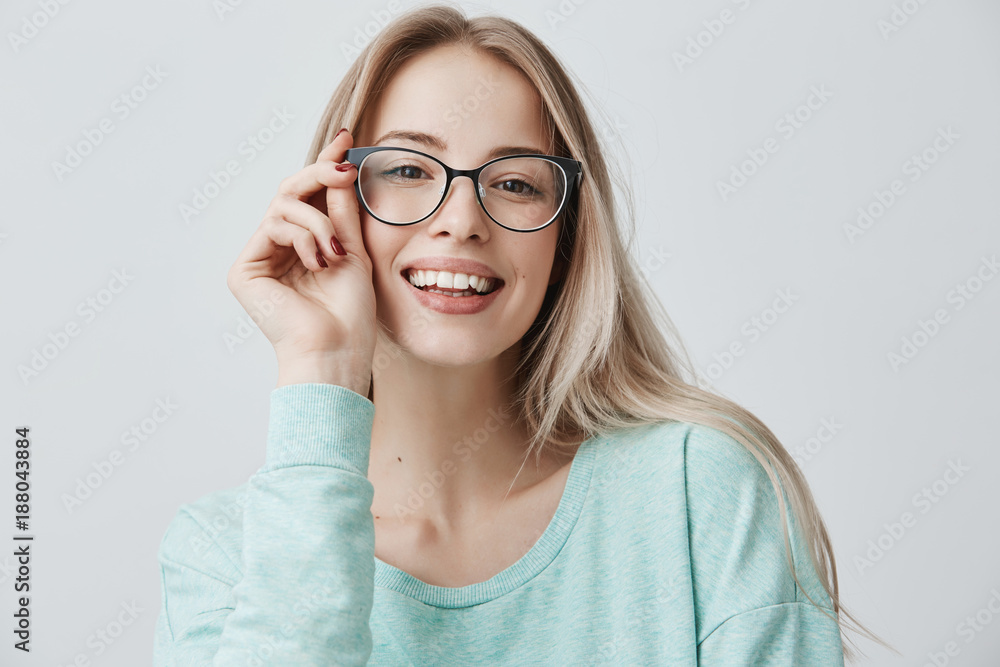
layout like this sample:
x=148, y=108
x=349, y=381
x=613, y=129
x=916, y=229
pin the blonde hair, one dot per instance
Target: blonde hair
x=602, y=353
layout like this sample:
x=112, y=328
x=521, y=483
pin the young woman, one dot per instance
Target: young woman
x=538, y=483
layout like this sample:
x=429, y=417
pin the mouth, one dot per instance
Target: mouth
x=472, y=287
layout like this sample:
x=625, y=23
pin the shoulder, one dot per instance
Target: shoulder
x=702, y=482
x=207, y=533
x=685, y=474
x=720, y=470
x=736, y=532
x=712, y=465
x=730, y=498
x=702, y=456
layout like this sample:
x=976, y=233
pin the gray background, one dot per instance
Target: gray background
x=677, y=131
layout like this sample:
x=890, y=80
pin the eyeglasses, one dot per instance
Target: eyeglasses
x=522, y=193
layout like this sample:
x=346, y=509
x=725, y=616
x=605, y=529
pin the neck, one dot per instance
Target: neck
x=446, y=446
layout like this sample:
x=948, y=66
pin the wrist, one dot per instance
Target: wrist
x=340, y=370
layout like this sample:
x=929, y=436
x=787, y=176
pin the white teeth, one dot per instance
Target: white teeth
x=426, y=277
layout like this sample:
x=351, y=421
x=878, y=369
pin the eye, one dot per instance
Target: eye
x=517, y=187
x=404, y=172
x=514, y=189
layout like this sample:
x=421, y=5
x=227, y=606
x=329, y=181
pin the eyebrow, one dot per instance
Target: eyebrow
x=433, y=141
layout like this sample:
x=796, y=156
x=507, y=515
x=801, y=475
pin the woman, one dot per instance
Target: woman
x=493, y=320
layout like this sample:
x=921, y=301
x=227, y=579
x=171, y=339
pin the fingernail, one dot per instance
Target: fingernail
x=347, y=166
x=319, y=258
x=337, y=248
x=342, y=130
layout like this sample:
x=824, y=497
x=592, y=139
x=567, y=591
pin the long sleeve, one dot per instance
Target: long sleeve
x=296, y=588
x=789, y=634
x=749, y=609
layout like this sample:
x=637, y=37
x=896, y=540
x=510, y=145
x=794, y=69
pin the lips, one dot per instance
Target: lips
x=452, y=305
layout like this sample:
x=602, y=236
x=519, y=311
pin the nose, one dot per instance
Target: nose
x=460, y=213
x=482, y=192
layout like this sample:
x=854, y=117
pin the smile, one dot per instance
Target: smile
x=452, y=301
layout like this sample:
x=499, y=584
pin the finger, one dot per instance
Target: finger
x=341, y=201
x=334, y=151
x=303, y=214
x=308, y=181
x=273, y=235
x=344, y=212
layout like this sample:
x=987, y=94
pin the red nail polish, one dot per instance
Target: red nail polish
x=342, y=130
x=347, y=166
x=319, y=258
x=337, y=248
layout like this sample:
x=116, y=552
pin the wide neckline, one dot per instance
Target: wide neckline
x=541, y=554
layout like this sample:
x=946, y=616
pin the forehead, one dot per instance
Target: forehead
x=472, y=101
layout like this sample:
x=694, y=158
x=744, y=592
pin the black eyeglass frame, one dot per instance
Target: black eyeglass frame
x=573, y=169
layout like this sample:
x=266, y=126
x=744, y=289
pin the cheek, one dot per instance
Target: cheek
x=381, y=243
x=536, y=261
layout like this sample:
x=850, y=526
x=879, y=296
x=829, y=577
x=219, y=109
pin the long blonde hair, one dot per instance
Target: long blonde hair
x=602, y=353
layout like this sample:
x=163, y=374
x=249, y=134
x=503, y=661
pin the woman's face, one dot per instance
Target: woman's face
x=467, y=105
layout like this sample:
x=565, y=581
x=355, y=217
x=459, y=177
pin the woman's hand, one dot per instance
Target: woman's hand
x=321, y=314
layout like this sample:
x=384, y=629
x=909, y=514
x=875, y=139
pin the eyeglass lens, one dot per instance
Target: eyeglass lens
x=403, y=187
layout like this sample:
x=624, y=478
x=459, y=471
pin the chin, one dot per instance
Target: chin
x=443, y=351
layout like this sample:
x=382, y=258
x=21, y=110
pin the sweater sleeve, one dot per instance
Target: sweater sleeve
x=748, y=608
x=301, y=594
x=781, y=635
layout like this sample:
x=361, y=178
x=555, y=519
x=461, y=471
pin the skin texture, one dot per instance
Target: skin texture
x=447, y=378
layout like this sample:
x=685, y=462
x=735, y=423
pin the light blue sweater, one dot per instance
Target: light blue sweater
x=665, y=549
